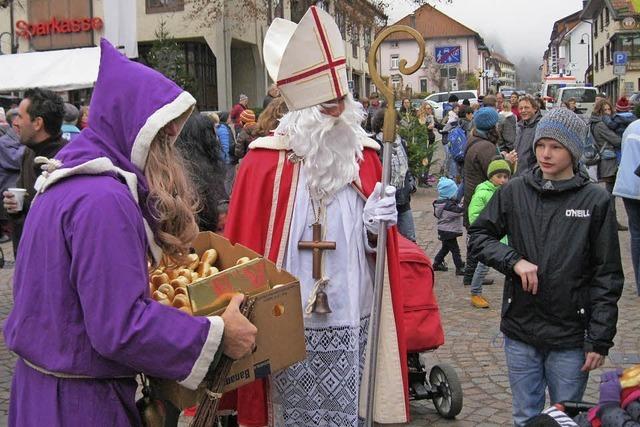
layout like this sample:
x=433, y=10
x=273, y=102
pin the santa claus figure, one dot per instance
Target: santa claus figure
x=309, y=198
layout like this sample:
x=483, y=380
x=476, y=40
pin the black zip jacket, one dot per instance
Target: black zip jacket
x=569, y=230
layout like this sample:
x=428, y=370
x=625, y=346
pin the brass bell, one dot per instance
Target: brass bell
x=321, y=304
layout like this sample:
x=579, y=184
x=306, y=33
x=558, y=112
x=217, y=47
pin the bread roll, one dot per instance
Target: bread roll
x=159, y=279
x=204, y=269
x=185, y=272
x=180, y=281
x=181, y=291
x=181, y=301
x=193, y=261
x=157, y=295
x=167, y=289
x=171, y=273
x=210, y=256
x=243, y=260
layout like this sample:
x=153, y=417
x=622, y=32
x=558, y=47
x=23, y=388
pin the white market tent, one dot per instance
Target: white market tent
x=58, y=70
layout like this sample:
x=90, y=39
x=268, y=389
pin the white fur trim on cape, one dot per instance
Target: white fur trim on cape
x=176, y=108
x=96, y=167
x=207, y=354
x=281, y=142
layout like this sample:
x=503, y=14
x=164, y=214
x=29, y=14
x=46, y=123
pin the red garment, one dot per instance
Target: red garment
x=516, y=111
x=248, y=224
x=234, y=115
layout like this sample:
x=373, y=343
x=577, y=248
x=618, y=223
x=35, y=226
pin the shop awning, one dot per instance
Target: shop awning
x=58, y=70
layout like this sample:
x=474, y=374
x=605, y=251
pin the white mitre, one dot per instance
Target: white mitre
x=306, y=60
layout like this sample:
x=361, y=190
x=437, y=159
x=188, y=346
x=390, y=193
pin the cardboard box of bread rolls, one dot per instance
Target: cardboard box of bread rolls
x=277, y=314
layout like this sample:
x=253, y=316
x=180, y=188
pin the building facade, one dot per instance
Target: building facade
x=454, y=54
x=616, y=28
x=505, y=71
x=569, y=48
x=221, y=43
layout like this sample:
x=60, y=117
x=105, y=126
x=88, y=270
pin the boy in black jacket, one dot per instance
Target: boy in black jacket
x=562, y=267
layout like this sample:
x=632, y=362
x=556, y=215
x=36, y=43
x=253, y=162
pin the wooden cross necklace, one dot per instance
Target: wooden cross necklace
x=317, y=245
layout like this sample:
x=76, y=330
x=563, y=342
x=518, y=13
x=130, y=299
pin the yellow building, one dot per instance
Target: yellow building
x=615, y=28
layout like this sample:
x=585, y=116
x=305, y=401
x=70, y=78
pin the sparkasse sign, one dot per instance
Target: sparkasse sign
x=57, y=26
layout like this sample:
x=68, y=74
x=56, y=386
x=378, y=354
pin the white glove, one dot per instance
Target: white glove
x=380, y=208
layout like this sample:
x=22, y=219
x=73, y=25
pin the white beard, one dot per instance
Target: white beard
x=330, y=146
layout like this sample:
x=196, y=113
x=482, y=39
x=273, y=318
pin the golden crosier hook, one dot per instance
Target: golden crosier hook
x=389, y=129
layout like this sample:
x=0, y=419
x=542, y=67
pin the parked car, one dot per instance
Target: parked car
x=585, y=98
x=440, y=97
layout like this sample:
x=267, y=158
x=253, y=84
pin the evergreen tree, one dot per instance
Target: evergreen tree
x=167, y=56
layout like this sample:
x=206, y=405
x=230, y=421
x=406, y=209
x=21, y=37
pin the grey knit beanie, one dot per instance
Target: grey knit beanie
x=566, y=127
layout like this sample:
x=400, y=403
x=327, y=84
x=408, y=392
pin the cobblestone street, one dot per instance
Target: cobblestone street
x=473, y=341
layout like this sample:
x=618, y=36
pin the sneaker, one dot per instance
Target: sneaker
x=460, y=271
x=478, y=301
x=441, y=266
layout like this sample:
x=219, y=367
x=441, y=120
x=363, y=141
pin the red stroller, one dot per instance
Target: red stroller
x=423, y=331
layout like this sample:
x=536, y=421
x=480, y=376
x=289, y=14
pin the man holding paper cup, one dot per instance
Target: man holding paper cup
x=38, y=125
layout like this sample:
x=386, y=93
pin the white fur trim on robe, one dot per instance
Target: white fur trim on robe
x=207, y=354
x=281, y=142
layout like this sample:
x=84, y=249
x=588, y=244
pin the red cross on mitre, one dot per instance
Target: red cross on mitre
x=317, y=33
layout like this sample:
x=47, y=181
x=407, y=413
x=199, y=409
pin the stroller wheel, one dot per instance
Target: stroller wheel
x=448, y=392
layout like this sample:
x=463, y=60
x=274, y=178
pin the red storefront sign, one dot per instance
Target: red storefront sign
x=58, y=26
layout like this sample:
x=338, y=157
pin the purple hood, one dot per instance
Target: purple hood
x=130, y=104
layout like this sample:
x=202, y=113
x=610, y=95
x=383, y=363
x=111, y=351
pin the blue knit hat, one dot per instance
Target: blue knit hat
x=564, y=126
x=447, y=188
x=486, y=118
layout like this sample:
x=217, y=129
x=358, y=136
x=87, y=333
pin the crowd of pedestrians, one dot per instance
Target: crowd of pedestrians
x=552, y=230
x=508, y=165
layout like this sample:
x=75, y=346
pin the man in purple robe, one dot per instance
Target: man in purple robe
x=83, y=324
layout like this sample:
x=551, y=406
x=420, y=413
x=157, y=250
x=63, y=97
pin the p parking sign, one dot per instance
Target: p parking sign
x=620, y=58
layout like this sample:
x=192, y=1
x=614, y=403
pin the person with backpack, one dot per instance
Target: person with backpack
x=608, y=144
x=480, y=151
x=227, y=143
x=455, y=146
x=621, y=119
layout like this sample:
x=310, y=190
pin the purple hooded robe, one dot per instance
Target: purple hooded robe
x=81, y=296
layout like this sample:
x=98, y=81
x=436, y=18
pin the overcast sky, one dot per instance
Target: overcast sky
x=522, y=27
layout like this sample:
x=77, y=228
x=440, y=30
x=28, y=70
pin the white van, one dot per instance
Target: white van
x=440, y=97
x=551, y=85
x=585, y=98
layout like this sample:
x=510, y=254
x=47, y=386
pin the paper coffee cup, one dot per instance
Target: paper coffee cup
x=19, y=194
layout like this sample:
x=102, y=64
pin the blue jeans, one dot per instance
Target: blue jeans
x=632, y=206
x=406, y=226
x=478, y=278
x=532, y=370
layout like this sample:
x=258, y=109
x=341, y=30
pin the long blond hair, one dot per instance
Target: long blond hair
x=172, y=201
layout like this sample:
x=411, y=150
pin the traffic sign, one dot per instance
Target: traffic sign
x=448, y=55
x=619, y=70
x=619, y=58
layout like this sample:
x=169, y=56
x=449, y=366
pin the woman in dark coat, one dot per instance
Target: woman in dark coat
x=608, y=144
x=200, y=149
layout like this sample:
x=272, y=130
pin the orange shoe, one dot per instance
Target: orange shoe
x=478, y=301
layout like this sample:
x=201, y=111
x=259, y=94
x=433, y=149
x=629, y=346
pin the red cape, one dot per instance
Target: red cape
x=253, y=221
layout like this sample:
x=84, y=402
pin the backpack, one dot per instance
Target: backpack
x=590, y=153
x=457, y=139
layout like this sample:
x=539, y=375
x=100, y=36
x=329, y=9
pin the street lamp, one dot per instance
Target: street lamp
x=587, y=43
